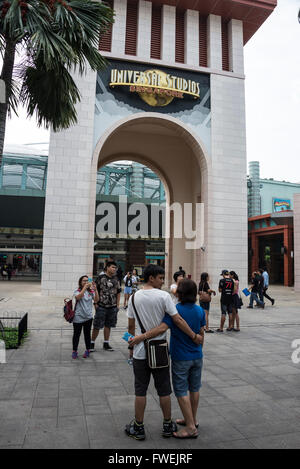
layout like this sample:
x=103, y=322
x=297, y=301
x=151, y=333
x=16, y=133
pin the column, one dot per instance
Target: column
x=236, y=46
x=168, y=33
x=70, y=202
x=227, y=245
x=296, y=210
x=144, y=29
x=214, y=42
x=191, y=30
x=119, y=27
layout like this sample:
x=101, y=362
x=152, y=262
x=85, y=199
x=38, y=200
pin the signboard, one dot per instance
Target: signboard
x=279, y=205
x=155, y=87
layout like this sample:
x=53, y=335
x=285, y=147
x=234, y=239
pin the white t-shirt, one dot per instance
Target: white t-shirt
x=151, y=305
x=174, y=297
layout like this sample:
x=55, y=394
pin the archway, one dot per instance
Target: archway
x=170, y=149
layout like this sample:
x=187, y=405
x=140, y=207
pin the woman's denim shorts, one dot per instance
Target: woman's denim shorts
x=186, y=376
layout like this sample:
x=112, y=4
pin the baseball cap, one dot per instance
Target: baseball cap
x=224, y=272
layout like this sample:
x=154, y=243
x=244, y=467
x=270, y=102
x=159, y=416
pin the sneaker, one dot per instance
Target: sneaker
x=74, y=355
x=107, y=347
x=86, y=354
x=135, y=431
x=169, y=428
x=92, y=347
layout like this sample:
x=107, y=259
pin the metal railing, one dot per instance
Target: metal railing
x=13, y=328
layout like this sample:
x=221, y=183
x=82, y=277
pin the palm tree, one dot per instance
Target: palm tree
x=53, y=37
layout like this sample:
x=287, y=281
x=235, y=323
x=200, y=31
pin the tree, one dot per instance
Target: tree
x=53, y=37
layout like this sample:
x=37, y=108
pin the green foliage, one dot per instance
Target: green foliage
x=10, y=337
x=55, y=37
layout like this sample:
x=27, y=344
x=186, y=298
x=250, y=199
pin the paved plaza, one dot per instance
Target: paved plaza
x=250, y=396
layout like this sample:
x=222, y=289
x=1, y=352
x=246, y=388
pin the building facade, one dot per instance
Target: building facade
x=271, y=226
x=172, y=98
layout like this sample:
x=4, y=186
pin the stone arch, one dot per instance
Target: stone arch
x=109, y=149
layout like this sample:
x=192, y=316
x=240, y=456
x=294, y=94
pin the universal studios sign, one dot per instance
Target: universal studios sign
x=155, y=87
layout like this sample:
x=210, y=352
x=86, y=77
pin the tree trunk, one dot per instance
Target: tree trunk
x=6, y=76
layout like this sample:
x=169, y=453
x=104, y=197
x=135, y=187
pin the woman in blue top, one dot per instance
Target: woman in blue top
x=186, y=356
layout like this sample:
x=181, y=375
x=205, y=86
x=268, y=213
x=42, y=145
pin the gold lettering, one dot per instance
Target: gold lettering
x=130, y=72
x=179, y=83
x=113, y=76
x=120, y=76
x=136, y=76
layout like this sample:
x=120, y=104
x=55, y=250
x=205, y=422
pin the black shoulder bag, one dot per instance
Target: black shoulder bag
x=157, y=351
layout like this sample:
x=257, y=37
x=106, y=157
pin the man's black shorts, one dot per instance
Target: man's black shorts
x=142, y=375
x=105, y=317
x=226, y=308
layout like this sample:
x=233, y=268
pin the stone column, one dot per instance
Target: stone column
x=119, y=27
x=144, y=29
x=191, y=31
x=227, y=205
x=214, y=42
x=70, y=202
x=168, y=33
x=236, y=46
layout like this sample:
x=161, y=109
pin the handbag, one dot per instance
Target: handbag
x=157, y=351
x=68, y=310
x=204, y=297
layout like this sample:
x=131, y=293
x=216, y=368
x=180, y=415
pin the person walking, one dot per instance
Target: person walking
x=205, y=293
x=9, y=271
x=187, y=357
x=135, y=281
x=85, y=295
x=152, y=304
x=237, y=302
x=227, y=290
x=128, y=280
x=265, y=286
x=255, y=287
x=106, y=315
x=178, y=276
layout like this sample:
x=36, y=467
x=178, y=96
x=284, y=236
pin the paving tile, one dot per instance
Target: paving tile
x=282, y=441
x=12, y=431
x=70, y=407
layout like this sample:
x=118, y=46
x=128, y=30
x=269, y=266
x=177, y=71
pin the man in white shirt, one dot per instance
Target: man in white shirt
x=152, y=304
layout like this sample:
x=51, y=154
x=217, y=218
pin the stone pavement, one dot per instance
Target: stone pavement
x=250, y=396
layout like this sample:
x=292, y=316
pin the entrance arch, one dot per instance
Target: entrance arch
x=170, y=149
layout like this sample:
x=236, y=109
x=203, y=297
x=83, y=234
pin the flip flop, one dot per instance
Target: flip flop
x=182, y=422
x=185, y=437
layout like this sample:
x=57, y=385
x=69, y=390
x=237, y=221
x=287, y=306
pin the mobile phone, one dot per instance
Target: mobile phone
x=127, y=336
x=90, y=280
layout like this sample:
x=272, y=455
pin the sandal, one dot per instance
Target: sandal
x=183, y=436
x=229, y=329
x=219, y=330
x=236, y=330
x=182, y=422
x=209, y=330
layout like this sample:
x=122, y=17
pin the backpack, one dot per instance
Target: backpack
x=68, y=310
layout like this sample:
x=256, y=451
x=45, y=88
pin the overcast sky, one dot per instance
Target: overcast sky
x=272, y=68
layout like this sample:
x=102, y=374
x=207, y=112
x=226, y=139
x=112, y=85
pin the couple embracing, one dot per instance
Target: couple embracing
x=186, y=321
